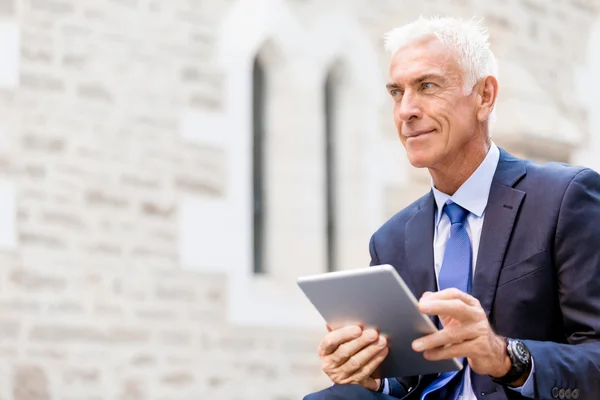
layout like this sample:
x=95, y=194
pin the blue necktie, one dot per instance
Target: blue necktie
x=456, y=272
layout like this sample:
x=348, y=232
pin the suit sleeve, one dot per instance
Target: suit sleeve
x=373, y=252
x=576, y=365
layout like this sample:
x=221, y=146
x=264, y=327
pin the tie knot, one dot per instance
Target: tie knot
x=456, y=213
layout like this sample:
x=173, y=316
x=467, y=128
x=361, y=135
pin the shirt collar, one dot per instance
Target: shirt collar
x=473, y=194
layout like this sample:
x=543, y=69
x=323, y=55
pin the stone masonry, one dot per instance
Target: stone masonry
x=94, y=304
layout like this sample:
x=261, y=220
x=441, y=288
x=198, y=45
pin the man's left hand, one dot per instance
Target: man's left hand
x=467, y=333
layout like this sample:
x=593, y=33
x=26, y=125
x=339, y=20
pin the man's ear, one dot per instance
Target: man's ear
x=487, y=93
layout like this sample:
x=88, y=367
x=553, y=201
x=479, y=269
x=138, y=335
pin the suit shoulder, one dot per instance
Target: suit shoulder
x=555, y=170
x=553, y=180
x=558, y=175
x=400, y=218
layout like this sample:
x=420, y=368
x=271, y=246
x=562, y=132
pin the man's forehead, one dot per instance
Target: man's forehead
x=405, y=74
x=415, y=70
x=418, y=59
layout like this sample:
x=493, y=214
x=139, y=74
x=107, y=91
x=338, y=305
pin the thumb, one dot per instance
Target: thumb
x=372, y=383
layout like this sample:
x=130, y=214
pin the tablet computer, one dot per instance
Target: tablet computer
x=377, y=297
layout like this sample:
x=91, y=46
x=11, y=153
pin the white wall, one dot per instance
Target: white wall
x=589, y=94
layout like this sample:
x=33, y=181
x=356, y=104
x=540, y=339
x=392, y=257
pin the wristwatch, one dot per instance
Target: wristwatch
x=520, y=360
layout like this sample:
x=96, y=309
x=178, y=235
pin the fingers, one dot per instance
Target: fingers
x=361, y=359
x=450, y=302
x=450, y=335
x=473, y=348
x=347, y=350
x=376, y=360
x=455, y=351
x=335, y=338
x=356, y=366
x=451, y=294
x=369, y=368
x=464, y=318
x=360, y=369
x=456, y=309
x=467, y=332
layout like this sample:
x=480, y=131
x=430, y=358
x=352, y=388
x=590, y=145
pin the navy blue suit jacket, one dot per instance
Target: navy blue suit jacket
x=537, y=275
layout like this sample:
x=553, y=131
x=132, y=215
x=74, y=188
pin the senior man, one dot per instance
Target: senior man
x=502, y=252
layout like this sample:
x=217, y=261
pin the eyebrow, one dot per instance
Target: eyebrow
x=416, y=81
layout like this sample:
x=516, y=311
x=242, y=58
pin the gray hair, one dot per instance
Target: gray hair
x=469, y=39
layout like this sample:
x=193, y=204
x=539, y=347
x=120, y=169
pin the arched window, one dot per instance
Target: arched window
x=330, y=170
x=276, y=192
x=258, y=167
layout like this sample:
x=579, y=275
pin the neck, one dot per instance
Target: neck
x=448, y=177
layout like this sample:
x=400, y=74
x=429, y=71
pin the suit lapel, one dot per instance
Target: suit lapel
x=418, y=248
x=500, y=216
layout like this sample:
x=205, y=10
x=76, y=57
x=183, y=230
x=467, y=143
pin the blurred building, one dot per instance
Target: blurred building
x=168, y=168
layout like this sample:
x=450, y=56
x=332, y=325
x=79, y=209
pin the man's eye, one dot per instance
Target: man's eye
x=395, y=92
x=427, y=85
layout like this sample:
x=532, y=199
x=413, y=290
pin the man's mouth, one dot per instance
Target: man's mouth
x=416, y=134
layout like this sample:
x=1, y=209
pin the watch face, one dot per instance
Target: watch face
x=521, y=352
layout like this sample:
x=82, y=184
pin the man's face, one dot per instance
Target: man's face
x=434, y=118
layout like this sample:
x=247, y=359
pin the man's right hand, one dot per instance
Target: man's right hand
x=350, y=355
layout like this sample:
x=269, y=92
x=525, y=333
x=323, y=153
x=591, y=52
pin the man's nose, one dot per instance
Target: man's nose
x=409, y=109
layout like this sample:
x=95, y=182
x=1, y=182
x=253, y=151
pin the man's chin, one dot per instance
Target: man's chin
x=419, y=160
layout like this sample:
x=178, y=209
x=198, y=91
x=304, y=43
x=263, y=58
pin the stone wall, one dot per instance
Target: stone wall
x=93, y=301
x=95, y=164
